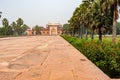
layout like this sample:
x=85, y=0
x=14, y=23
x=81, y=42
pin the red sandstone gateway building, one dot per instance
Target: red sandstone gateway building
x=31, y=32
x=51, y=29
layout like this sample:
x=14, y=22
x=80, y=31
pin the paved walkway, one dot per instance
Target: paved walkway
x=44, y=58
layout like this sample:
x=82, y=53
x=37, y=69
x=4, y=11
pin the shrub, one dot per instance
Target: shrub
x=105, y=55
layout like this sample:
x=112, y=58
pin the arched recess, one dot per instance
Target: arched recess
x=53, y=31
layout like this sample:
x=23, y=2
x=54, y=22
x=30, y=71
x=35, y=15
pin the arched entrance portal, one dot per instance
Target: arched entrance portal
x=53, y=31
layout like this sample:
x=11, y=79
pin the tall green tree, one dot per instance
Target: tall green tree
x=37, y=28
x=74, y=23
x=71, y=26
x=24, y=28
x=19, y=24
x=87, y=17
x=8, y=29
x=5, y=22
x=65, y=28
x=2, y=31
x=114, y=7
x=14, y=27
x=95, y=15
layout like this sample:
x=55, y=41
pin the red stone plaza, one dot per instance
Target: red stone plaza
x=44, y=58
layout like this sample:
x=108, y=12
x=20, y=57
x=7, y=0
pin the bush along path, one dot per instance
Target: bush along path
x=105, y=55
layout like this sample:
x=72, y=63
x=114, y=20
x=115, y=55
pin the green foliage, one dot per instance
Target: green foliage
x=18, y=27
x=5, y=22
x=65, y=29
x=6, y=29
x=95, y=16
x=105, y=55
x=118, y=28
x=37, y=28
x=15, y=29
x=24, y=27
x=2, y=31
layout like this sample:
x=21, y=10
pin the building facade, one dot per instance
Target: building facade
x=31, y=32
x=51, y=29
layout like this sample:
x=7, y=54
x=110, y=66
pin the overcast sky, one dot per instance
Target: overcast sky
x=38, y=12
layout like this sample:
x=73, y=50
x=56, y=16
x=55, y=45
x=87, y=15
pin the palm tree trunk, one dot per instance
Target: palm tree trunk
x=74, y=32
x=81, y=33
x=86, y=33
x=70, y=33
x=114, y=28
x=100, y=34
x=92, y=34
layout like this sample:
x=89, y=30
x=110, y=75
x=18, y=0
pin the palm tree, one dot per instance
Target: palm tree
x=82, y=19
x=88, y=18
x=91, y=13
x=65, y=28
x=114, y=4
x=14, y=27
x=76, y=18
x=99, y=18
x=80, y=14
x=19, y=24
x=92, y=16
x=24, y=28
x=8, y=29
x=5, y=22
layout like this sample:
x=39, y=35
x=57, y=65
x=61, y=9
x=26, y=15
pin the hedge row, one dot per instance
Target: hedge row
x=105, y=55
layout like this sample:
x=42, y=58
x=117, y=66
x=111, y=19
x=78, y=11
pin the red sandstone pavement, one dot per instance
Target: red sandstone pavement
x=44, y=58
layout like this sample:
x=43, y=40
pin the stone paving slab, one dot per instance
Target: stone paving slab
x=44, y=58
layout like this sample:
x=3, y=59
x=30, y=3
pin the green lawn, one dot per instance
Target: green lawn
x=106, y=38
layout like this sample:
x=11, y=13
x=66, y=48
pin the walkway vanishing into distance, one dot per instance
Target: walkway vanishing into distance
x=44, y=58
